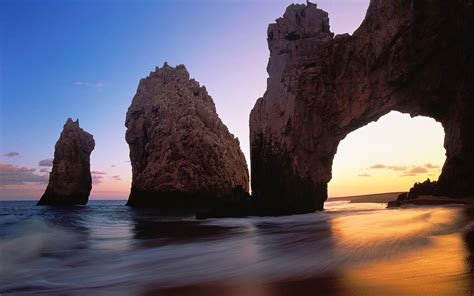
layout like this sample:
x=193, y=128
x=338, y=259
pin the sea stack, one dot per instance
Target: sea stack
x=182, y=155
x=409, y=56
x=70, y=180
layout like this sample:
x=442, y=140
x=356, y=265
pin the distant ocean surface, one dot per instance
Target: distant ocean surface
x=107, y=248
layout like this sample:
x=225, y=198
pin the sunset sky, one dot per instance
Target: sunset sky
x=83, y=59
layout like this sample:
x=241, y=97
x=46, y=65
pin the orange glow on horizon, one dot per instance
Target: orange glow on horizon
x=389, y=155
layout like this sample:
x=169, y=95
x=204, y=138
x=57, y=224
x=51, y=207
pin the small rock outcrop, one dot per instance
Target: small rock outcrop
x=410, y=56
x=182, y=155
x=427, y=187
x=70, y=180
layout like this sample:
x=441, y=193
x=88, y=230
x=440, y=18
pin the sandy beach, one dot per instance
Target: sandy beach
x=368, y=198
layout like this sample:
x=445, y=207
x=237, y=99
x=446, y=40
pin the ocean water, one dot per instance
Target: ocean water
x=106, y=248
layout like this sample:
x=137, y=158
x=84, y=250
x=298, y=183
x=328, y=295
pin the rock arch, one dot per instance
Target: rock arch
x=412, y=56
x=388, y=155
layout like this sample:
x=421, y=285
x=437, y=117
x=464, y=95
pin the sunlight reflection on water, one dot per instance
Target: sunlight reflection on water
x=349, y=249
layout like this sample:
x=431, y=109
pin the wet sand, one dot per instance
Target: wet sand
x=436, y=264
x=376, y=197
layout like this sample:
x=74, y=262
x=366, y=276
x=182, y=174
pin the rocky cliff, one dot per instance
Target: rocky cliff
x=182, y=155
x=70, y=180
x=410, y=56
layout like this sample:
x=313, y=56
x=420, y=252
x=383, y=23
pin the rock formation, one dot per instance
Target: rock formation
x=427, y=187
x=182, y=155
x=415, y=57
x=70, y=181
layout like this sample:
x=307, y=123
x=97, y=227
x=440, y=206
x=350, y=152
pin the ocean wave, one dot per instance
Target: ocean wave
x=124, y=253
x=32, y=239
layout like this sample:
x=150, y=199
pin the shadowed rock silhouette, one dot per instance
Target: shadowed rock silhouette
x=70, y=181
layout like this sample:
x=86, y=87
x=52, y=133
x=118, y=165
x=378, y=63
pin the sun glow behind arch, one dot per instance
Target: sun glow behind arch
x=389, y=155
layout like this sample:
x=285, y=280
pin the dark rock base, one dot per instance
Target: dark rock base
x=210, y=205
x=63, y=201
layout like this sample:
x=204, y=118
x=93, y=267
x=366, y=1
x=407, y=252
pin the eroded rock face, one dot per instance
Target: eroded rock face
x=70, y=180
x=410, y=56
x=182, y=155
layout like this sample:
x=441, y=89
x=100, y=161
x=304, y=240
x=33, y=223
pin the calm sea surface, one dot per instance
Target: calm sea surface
x=107, y=248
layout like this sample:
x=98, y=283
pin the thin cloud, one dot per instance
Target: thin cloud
x=378, y=166
x=414, y=171
x=46, y=162
x=98, y=177
x=397, y=168
x=98, y=173
x=406, y=171
x=417, y=170
x=388, y=167
x=11, y=154
x=94, y=85
x=16, y=175
x=44, y=170
x=115, y=178
x=364, y=175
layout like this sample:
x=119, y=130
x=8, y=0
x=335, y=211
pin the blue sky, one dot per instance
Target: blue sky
x=83, y=59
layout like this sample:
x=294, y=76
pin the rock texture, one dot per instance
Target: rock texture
x=182, y=155
x=415, y=57
x=70, y=180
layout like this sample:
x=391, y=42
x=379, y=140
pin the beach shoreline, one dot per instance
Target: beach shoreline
x=390, y=198
x=368, y=198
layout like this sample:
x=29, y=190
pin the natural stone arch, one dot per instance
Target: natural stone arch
x=387, y=156
x=410, y=56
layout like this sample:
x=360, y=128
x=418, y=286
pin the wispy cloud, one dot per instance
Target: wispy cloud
x=397, y=168
x=16, y=175
x=389, y=167
x=44, y=170
x=115, y=178
x=407, y=171
x=94, y=85
x=98, y=177
x=417, y=170
x=11, y=154
x=414, y=171
x=378, y=166
x=98, y=173
x=46, y=162
x=364, y=175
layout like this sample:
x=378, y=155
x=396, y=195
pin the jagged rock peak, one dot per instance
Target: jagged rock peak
x=70, y=180
x=179, y=71
x=300, y=21
x=181, y=152
x=69, y=121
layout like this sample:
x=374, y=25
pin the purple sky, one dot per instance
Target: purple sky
x=84, y=59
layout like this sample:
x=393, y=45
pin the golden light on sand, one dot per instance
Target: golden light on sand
x=412, y=252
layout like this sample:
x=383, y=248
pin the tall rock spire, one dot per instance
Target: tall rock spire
x=70, y=180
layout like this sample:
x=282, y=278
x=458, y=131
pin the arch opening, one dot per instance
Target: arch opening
x=388, y=155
